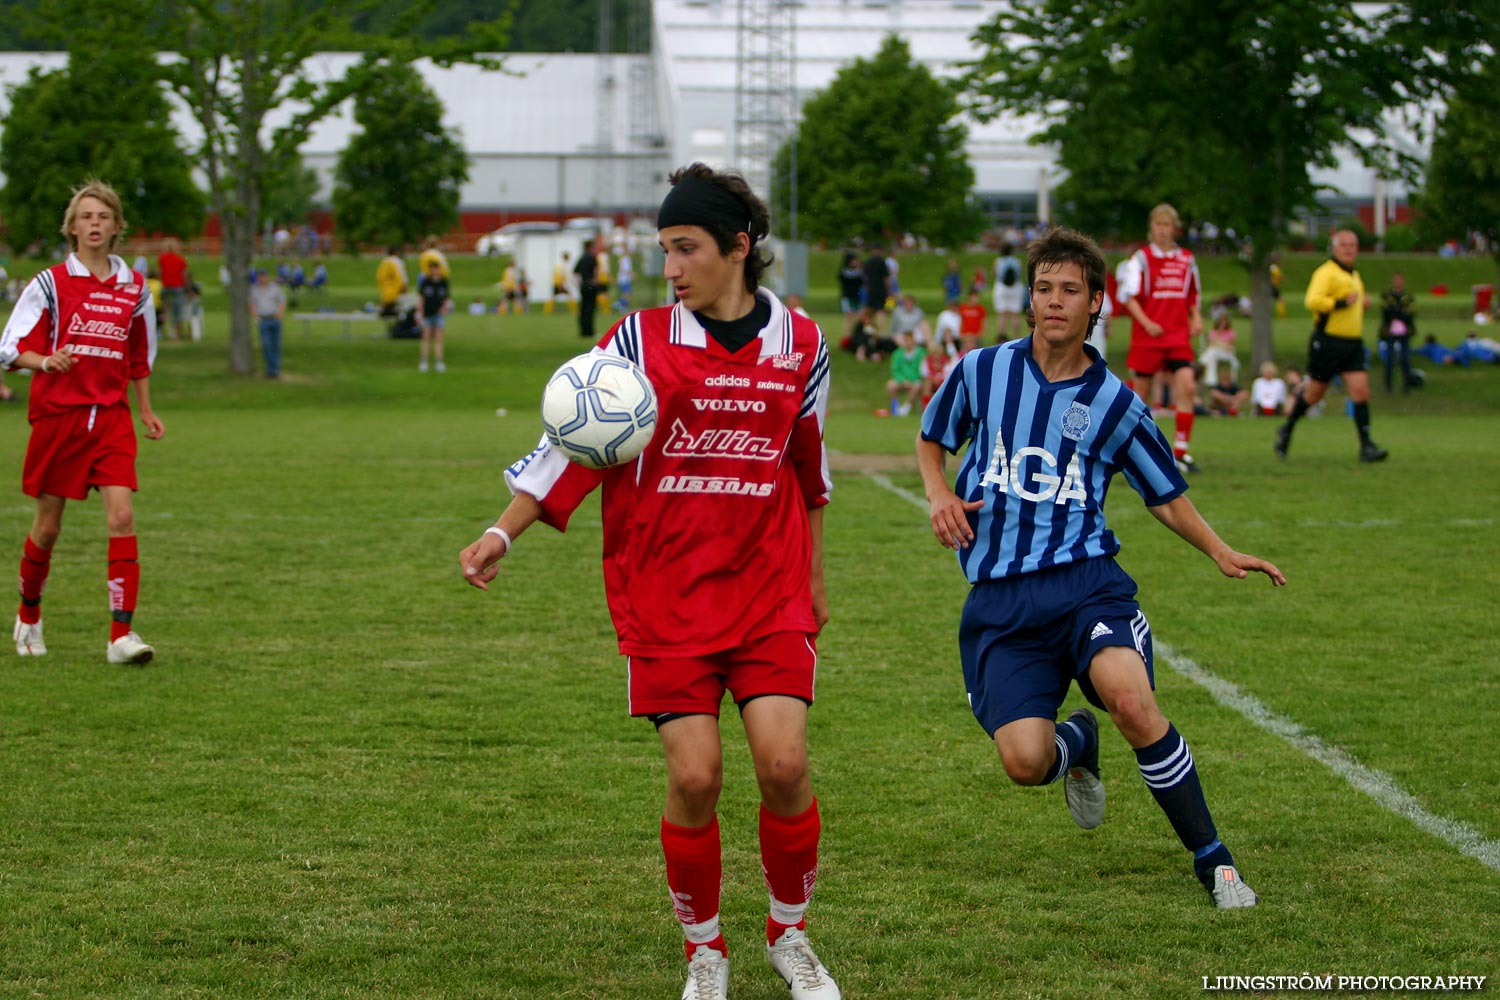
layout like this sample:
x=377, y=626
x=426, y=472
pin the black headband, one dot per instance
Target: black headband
x=695, y=201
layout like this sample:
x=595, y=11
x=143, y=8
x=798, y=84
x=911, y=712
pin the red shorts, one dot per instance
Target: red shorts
x=1147, y=356
x=782, y=663
x=81, y=449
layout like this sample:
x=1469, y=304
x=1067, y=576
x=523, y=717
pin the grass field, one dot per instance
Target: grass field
x=348, y=775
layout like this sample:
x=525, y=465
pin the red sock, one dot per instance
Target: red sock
x=695, y=873
x=1184, y=433
x=34, y=566
x=124, y=584
x=789, y=856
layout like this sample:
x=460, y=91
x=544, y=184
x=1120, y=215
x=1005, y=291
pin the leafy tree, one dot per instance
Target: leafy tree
x=1224, y=108
x=401, y=176
x=879, y=152
x=239, y=60
x=291, y=191
x=98, y=117
x=1462, y=186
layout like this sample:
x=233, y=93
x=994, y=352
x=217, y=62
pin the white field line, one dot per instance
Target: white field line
x=1376, y=784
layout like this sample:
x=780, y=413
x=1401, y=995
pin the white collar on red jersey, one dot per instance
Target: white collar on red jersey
x=1158, y=252
x=775, y=337
x=119, y=270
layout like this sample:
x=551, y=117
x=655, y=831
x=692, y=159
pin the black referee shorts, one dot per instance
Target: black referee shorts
x=1328, y=356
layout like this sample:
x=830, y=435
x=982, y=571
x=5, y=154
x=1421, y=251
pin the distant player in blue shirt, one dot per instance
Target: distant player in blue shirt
x=1047, y=426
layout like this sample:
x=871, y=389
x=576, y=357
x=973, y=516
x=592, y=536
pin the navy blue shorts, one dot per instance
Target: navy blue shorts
x=1024, y=639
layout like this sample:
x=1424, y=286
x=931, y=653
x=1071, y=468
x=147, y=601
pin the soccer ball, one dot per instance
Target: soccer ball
x=599, y=410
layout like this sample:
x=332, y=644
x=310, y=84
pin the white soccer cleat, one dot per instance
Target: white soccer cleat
x=130, y=649
x=1230, y=891
x=805, y=976
x=708, y=975
x=29, y=639
x=1082, y=788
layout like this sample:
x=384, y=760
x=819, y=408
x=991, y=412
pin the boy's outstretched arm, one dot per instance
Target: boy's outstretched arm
x=1183, y=518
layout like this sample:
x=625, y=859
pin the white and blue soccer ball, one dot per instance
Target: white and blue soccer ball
x=599, y=410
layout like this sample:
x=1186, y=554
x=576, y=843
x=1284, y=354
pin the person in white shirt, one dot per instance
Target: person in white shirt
x=1268, y=392
x=945, y=332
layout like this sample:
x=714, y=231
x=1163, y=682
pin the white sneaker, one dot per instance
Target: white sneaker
x=805, y=976
x=440, y=367
x=29, y=639
x=130, y=649
x=1082, y=788
x=708, y=975
x=422, y=366
x=1230, y=891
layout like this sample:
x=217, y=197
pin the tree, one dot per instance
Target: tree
x=1461, y=192
x=98, y=117
x=1224, y=108
x=291, y=191
x=237, y=61
x=401, y=176
x=879, y=152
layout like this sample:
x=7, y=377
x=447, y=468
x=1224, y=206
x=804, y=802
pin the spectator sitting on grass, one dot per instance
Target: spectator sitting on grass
x=1225, y=397
x=1269, y=392
x=905, y=383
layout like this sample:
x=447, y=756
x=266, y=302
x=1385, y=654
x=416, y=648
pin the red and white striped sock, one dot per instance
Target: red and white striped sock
x=124, y=584
x=35, y=564
x=1184, y=433
x=695, y=875
x=789, y=857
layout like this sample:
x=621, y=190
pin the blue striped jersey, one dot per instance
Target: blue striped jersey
x=1041, y=455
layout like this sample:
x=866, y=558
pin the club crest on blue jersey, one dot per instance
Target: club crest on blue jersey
x=1075, y=421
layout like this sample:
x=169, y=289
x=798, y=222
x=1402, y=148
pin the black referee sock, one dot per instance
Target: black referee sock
x=1299, y=409
x=1362, y=422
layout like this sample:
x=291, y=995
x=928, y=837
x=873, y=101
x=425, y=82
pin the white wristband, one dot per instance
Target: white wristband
x=501, y=534
x=44, y=363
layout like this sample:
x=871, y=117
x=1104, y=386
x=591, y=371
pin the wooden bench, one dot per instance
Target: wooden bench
x=348, y=319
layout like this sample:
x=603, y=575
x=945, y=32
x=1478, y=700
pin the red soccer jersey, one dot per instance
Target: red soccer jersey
x=109, y=325
x=706, y=540
x=937, y=364
x=1167, y=287
x=172, y=269
x=971, y=317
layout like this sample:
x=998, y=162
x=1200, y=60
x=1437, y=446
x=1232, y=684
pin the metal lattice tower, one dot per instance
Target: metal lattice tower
x=764, y=89
x=605, y=197
x=645, y=131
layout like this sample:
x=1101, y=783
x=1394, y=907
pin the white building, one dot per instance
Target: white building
x=561, y=135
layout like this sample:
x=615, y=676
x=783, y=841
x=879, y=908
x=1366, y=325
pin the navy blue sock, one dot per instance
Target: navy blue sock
x=1167, y=765
x=1072, y=743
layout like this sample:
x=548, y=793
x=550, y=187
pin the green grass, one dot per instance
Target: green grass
x=348, y=775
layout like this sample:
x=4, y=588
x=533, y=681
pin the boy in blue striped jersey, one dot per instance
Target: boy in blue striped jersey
x=1047, y=426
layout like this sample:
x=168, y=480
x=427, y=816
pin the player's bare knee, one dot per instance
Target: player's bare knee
x=782, y=775
x=1026, y=767
x=1137, y=718
x=120, y=525
x=698, y=785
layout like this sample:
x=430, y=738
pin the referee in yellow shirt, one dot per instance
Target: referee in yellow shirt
x=1336, y=297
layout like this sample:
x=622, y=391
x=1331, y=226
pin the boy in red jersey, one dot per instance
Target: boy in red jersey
x=86, y=328
x=1160, y=289
x=713, y=563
